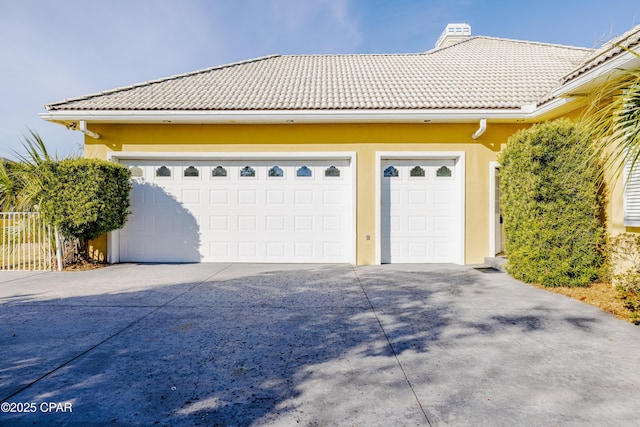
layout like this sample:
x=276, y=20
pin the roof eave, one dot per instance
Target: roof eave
x=288, y=116
x=597, y=75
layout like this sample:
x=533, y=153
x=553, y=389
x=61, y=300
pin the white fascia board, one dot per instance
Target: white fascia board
x=550, y=106
x=599, y=72
x=285, y=116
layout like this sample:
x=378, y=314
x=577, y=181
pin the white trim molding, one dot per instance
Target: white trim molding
x=116, y=156
x=493, y=168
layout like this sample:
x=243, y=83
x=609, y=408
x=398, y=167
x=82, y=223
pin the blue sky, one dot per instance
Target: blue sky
x=53, y=50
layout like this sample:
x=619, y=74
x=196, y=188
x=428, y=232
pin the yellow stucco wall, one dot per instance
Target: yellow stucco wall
x=363, y=139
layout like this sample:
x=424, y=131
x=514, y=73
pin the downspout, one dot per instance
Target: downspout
x=83, y=129
x=481, y=129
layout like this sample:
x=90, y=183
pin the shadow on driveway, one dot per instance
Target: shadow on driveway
x=249, y=345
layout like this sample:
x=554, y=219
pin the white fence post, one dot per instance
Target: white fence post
x=27, y=242
x=58, y=248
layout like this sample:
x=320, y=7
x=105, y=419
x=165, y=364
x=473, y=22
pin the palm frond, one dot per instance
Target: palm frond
x=612, y=120
x=7, y=188
x=21, y=181
x=36, y=150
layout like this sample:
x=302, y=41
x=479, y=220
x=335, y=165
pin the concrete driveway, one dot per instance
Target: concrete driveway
x=311, y=345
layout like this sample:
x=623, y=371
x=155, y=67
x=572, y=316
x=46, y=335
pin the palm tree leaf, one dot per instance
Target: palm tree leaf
x=612, y=120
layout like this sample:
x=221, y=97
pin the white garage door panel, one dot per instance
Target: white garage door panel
x=236, y=218
x=420, y=211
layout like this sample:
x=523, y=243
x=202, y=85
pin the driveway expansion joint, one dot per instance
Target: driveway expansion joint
x=393, y=350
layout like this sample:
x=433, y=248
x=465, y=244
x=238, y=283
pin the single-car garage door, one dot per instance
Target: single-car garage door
x=420, y=211
x=239, y=211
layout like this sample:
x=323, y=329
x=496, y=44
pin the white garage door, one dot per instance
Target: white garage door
x=420, y=211
x=239, y=211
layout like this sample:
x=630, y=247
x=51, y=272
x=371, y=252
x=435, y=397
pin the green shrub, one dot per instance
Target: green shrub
x=550, y=182
x=85, y=198
x=625, y=250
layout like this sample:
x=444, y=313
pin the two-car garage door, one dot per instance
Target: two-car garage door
x=240, y=211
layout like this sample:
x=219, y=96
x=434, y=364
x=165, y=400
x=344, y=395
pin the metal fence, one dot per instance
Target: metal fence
x=27, y=243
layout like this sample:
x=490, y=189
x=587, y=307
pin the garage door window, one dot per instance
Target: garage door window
x=276, y=172
x=247, y=172
x=417, y=172
x=391, y=172
x=163, y=172
x=218, y=172
x=332, y=172
x=192, y=172
x=304, y=172
x=136, y=172
x=443, y=172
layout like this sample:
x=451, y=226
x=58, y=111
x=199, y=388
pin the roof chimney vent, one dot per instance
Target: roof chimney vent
x=452, y=34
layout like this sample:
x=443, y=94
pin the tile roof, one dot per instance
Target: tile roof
x=608, y=50
x=479, y=73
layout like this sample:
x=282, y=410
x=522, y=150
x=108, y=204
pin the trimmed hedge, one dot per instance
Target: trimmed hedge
x=85, y=198
x=552, y=206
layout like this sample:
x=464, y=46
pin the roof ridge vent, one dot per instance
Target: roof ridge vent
x=453, y=33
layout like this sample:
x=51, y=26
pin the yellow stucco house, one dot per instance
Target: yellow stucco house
x=362, y=159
